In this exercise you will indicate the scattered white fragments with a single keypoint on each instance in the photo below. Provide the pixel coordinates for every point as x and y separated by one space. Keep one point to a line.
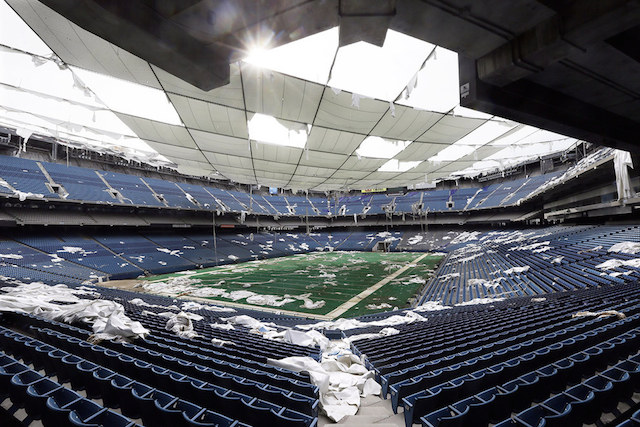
192 305
143 303
604 313
490 284
346 324
249 322
448 276
476 301
514 270
384 332
378 306
183 285
11 256
431 306
414 240
270 300
175 252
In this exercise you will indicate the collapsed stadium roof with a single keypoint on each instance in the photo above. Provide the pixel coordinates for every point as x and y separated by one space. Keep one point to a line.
306 115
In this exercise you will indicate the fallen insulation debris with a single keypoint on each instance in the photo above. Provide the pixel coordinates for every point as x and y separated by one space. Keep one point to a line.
477 301
626 247
181 323
615 263
491 284
341 378
378 306
59 302
515 270
604 313
346 324
183 286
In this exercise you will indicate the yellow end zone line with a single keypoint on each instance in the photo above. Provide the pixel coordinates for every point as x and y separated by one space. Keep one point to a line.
356 299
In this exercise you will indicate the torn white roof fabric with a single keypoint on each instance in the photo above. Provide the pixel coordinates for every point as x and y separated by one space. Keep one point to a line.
291 117
107 318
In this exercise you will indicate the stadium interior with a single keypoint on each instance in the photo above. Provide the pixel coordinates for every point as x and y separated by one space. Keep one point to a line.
314 213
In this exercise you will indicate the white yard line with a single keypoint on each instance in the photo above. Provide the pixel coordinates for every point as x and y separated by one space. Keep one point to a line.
356 299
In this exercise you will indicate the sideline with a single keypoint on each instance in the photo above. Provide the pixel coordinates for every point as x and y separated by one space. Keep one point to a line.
253 307
356 299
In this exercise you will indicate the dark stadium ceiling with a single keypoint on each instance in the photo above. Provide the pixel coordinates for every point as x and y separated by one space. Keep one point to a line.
567 66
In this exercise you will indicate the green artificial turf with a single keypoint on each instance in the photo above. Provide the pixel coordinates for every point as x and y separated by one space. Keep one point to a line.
334 277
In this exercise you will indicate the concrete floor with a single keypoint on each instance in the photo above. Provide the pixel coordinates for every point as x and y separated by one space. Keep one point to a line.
373 411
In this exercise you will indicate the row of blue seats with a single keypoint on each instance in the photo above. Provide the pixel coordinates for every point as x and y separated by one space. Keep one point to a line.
414 346
594 354
471 342
466 318
18 254
29 274
492 196
583 403
578 405
89 185
243 359
154 406
47 400
461 348
522 349
188 386
81 250
553 259
247 345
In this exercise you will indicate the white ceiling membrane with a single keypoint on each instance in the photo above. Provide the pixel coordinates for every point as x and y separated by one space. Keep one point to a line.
306 115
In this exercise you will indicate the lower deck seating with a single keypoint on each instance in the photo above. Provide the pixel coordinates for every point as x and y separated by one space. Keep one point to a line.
53 372
505 264
517 362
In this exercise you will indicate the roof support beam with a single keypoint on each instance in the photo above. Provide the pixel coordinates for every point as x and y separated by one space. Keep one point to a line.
536 105
569 32
365 20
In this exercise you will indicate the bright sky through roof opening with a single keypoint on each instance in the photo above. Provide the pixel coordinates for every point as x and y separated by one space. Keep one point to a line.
43 77
267 129
379 72
362 68
482 135
309 58
380 148
394 165
130 98
437 84
15 33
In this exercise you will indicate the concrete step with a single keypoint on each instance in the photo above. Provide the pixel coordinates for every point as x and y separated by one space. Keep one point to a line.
372 415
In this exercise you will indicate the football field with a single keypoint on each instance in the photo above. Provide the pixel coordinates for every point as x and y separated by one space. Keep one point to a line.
331 284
